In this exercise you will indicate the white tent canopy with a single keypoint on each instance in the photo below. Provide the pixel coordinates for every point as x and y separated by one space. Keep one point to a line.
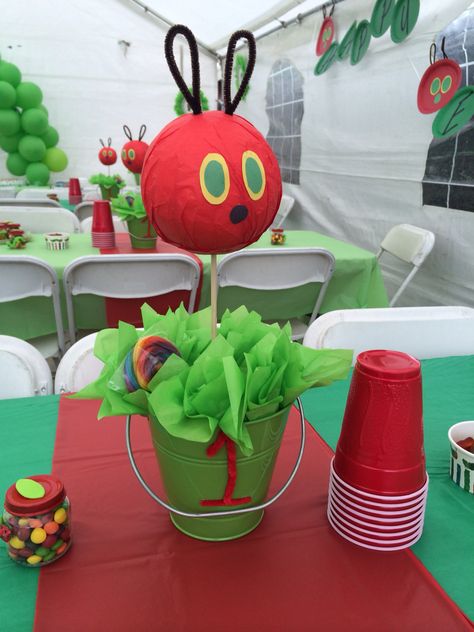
364 144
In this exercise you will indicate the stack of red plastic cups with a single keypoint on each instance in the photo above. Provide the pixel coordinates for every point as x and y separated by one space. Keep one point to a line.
379 485
103 234
75 193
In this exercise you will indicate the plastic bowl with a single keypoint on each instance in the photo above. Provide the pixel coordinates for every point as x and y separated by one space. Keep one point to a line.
462 461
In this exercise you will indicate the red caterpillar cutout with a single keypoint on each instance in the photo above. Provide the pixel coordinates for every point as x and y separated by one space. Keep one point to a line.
133 152
439 82
210 182
107 155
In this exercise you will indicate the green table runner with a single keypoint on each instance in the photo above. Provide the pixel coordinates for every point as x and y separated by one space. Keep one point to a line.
446 548
357 282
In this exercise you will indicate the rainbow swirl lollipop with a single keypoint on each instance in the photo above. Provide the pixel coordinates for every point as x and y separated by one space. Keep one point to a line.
145 359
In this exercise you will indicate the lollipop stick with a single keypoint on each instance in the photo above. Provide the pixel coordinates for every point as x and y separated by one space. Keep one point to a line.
213 296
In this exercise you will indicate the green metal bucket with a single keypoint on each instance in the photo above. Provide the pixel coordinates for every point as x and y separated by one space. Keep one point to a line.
108 193
190 476
142 234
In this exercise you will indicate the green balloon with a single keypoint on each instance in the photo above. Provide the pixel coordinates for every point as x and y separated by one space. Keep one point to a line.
32 148
7 95
34 121
28 95
9 122
50 137
10 143
55 159
16 164
9 73
37 173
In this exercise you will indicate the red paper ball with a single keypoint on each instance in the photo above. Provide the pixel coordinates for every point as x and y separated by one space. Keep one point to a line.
108 156
133 155
211 183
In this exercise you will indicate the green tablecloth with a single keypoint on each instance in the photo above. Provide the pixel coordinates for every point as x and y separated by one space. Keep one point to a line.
446 547
27 434
65 204
26 447
357 282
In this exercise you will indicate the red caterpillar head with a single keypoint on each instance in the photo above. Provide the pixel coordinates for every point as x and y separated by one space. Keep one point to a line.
107 155
439 83
133 152
210 182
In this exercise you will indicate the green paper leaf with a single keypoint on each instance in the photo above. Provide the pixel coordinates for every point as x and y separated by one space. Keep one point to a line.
250 371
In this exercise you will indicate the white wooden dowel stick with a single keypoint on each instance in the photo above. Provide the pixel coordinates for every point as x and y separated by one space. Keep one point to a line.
213 296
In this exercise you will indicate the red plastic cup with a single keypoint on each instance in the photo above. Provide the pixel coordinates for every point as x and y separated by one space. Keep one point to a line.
102 217
75 193
363 531
380 449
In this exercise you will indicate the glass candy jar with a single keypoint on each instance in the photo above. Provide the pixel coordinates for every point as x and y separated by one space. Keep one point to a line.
36 522
278 237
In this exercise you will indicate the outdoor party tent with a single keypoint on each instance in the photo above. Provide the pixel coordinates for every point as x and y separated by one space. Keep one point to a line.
354 149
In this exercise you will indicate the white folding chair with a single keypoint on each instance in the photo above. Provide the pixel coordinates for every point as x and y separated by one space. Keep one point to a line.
29 202
410 244
424 332
284 210
41 193
272 269
84 210
129 276
119 226
24 276
78 366
23 370
41 219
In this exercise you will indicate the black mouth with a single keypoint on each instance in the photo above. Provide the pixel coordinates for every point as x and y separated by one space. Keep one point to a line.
238 214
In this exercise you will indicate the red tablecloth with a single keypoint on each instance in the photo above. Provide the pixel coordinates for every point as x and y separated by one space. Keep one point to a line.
130 569
128 310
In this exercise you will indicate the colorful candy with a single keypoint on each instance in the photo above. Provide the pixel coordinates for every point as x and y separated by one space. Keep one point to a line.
145 359
467 444
38 535
38 538
60 516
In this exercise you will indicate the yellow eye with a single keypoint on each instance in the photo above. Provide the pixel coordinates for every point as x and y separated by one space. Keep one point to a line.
253 174
131 154
214 178
124 154
110 153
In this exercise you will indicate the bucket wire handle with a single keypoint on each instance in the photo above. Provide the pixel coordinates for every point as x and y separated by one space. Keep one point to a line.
213 514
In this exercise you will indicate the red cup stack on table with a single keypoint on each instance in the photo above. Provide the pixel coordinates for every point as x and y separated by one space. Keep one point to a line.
103 234
75 193
378 484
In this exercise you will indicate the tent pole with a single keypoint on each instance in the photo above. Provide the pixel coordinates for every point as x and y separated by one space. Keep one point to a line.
296 20
160 17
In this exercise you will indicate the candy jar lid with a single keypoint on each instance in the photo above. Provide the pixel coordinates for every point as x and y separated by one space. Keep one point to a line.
20 504
388 364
